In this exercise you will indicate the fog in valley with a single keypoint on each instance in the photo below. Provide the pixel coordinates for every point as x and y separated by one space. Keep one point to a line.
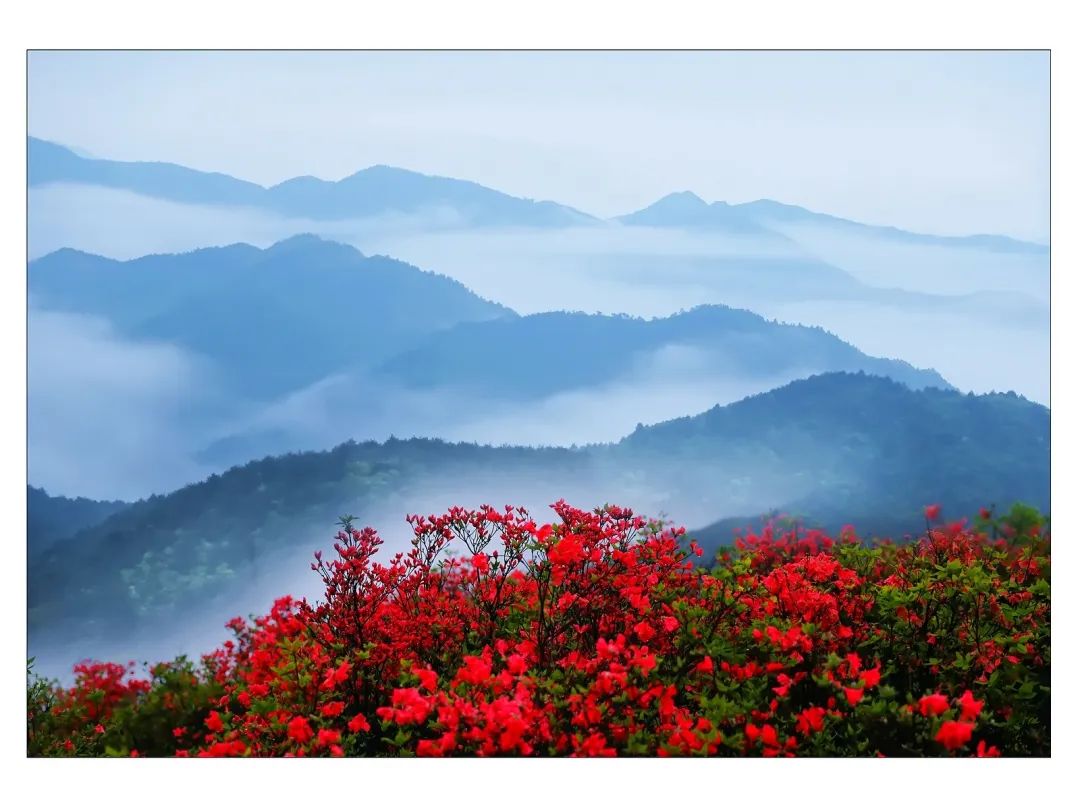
657 386
980 317
111 418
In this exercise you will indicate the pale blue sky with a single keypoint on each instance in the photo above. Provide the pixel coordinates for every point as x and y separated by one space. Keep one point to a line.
937 142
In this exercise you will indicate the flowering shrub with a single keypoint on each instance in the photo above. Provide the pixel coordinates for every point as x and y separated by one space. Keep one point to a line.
600 635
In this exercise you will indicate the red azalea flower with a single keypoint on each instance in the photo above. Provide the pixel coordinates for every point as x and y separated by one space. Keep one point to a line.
934 704
595 746
810 720
854 695
705 665
954 734
359 724
328 736
969 707
567 551
933 512
474 671
427 676
300 730
644 631
427 748
332 709
334 677
214 722
871 678
983 751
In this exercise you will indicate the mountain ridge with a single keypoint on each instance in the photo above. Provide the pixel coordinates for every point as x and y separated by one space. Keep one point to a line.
197 300
374 191
687 210
51 518
49 162
735 338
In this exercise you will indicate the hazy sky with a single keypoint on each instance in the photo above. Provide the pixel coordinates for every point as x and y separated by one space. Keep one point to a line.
937 142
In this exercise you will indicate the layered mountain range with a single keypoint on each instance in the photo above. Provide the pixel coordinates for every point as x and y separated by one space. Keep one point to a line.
261 389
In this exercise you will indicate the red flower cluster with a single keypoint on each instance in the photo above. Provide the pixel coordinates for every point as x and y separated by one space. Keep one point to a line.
600 635
100 687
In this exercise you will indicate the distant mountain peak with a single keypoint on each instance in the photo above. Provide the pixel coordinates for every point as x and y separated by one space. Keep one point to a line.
686 196
312 246
685 209
387 169
678 201
302 180
384 171
305 240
